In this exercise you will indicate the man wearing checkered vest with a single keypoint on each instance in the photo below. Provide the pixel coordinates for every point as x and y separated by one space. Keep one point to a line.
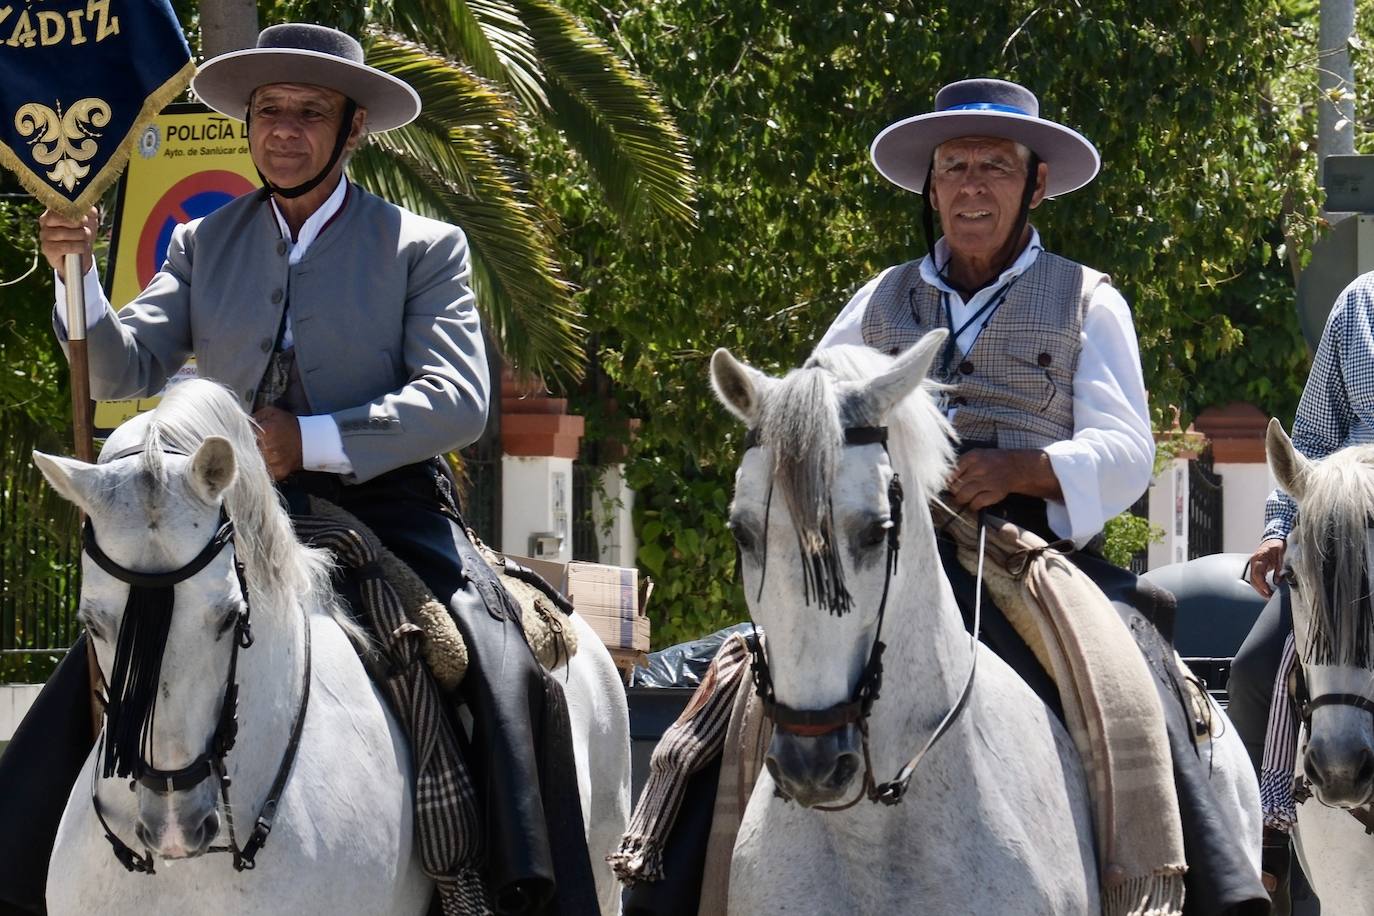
1044 390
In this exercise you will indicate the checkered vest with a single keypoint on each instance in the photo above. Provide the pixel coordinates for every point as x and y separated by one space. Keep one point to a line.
1015 387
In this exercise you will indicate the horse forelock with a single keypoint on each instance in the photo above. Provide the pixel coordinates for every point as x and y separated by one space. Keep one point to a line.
800 424
1336 513
278 569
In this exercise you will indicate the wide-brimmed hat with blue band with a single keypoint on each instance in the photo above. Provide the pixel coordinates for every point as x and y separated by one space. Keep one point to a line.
301 52
984 108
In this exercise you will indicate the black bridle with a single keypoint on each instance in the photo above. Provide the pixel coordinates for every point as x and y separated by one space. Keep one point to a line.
816 722
1307 704
129 759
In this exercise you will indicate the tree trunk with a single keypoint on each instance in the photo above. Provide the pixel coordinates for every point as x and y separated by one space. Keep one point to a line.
228 25
1336 81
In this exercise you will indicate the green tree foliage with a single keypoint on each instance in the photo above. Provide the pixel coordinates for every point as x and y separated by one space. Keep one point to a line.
1205 196
36 526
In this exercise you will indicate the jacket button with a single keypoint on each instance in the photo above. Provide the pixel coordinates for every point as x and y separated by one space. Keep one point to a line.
276 296
966 368
266 344
1044 359
281 247
248 395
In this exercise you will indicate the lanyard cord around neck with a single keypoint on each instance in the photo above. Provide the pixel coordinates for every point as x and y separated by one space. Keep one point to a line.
985 312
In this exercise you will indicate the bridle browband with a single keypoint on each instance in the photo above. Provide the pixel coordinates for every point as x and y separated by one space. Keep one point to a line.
814 723
128 759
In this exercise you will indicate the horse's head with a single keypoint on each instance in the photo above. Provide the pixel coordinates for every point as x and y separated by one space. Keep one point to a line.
161 602
1327 565
817 517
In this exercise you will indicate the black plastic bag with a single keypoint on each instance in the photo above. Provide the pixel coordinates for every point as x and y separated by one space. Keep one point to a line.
685 664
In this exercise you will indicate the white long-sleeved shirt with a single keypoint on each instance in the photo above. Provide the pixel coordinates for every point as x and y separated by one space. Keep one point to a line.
321 445
1109 461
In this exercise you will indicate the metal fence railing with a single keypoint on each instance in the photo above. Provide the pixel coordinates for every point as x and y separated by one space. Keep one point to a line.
39 571
1140 560
585 494
1204 508
479 488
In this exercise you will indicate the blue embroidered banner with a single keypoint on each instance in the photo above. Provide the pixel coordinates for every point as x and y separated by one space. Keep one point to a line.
79 80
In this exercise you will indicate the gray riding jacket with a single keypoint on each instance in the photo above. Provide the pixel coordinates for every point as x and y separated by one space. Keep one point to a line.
387 337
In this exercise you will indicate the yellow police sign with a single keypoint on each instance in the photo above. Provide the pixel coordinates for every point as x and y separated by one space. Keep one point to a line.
188 163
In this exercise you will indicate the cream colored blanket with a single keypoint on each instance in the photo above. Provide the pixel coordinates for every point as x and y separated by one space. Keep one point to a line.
1110 705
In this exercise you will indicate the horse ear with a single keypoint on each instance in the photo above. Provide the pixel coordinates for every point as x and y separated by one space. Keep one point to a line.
739 387
907 372
213 468
68 476
1289 465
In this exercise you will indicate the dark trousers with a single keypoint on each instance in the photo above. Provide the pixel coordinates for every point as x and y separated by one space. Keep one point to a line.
37 772
1251 685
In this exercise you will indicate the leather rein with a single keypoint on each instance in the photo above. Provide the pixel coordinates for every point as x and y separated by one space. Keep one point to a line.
813 723
212 760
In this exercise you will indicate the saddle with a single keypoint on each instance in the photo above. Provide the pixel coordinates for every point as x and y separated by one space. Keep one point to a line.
421 659
543 611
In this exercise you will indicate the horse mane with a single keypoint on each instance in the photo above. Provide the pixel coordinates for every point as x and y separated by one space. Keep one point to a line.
278 568
803 418
1336 512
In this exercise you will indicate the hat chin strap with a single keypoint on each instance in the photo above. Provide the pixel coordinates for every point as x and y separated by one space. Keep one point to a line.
345 128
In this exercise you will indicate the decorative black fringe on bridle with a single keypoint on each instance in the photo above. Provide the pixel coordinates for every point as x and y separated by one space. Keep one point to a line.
822 572
134 681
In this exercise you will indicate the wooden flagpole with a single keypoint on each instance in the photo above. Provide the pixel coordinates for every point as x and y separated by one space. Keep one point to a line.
82 432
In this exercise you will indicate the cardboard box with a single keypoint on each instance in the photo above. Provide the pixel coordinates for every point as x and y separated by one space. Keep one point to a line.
607 597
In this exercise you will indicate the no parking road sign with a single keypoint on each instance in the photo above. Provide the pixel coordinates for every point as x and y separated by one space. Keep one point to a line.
187 164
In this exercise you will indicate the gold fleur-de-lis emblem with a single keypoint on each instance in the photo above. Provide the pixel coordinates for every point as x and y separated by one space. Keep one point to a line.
63 141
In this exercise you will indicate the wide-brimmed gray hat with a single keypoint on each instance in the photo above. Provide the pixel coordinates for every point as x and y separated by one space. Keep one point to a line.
984 108
299 52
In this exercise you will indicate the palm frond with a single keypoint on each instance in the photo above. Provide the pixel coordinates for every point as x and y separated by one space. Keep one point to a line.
487 35
612 118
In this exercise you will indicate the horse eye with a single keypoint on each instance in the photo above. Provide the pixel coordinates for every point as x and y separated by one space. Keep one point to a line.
1291 579
742 537
227 623
874 534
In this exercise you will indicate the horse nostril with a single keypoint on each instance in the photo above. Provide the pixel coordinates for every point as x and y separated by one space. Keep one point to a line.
141 831
1365 774
845 768
209 828
1312 766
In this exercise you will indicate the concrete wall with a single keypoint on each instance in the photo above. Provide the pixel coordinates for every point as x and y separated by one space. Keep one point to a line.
1245 487
15 700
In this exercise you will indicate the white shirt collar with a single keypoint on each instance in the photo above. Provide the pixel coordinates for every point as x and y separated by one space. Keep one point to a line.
1022 263
314 223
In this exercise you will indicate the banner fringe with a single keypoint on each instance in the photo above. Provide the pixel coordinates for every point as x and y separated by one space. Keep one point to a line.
40 188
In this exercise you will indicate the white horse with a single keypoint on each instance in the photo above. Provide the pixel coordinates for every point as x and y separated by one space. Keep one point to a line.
996 818
1328 565
343 837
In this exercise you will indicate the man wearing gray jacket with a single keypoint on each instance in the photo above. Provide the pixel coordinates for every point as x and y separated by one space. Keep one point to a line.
347 326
